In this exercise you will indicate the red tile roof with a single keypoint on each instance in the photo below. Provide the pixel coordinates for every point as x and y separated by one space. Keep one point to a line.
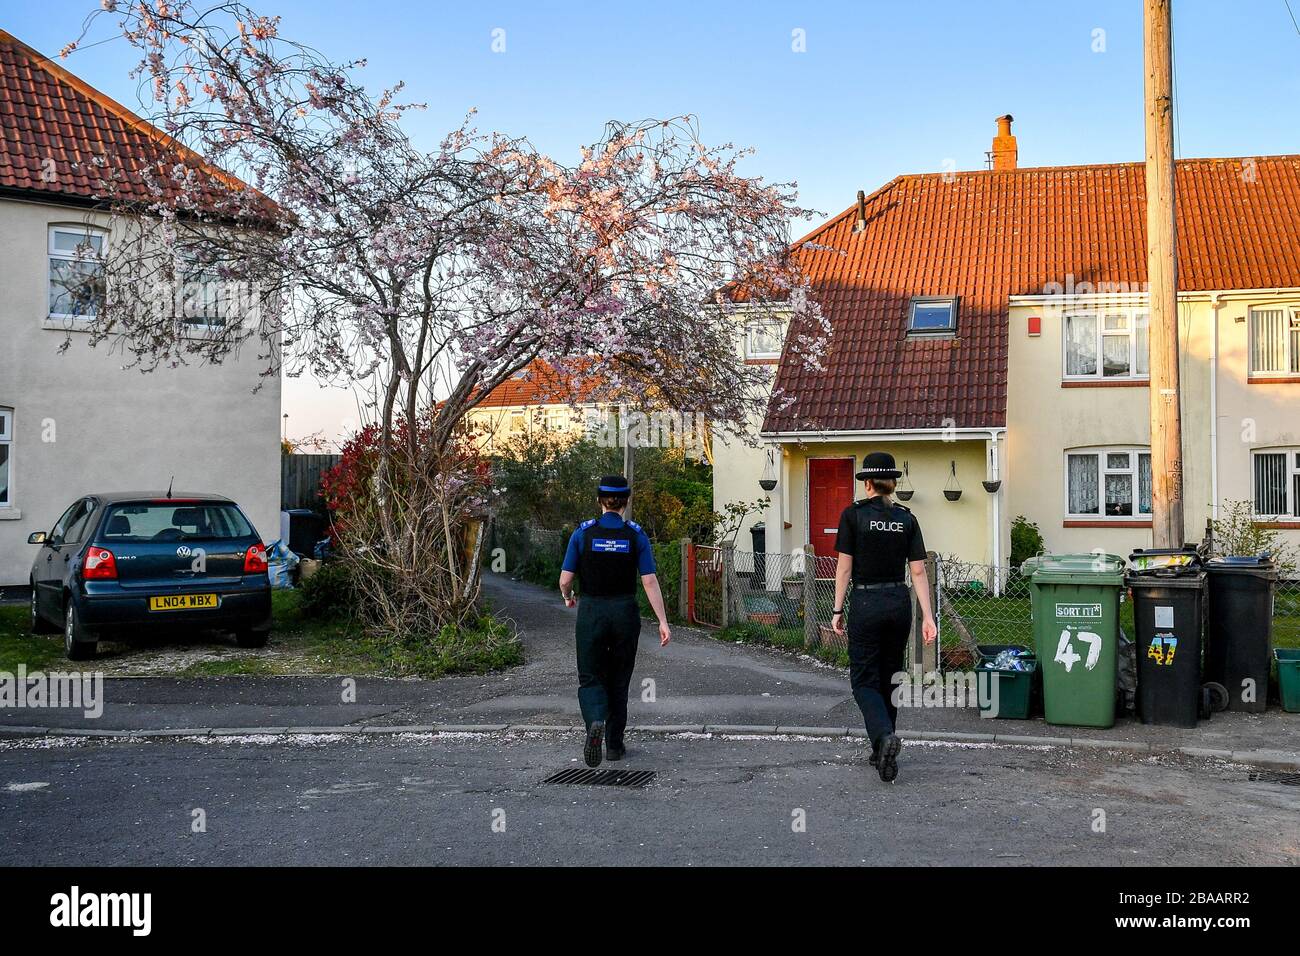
540 384
984 236
53 125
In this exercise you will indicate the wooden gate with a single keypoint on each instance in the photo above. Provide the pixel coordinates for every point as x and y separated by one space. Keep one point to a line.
706 585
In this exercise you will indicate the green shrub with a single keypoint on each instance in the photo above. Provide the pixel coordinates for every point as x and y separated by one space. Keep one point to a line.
1026 541
477 646
1239 532
668 568
328 594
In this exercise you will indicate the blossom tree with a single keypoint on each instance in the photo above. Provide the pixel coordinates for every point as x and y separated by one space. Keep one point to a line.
300 220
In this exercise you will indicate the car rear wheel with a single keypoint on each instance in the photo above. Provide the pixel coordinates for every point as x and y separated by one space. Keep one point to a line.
251 638
76 644
38 624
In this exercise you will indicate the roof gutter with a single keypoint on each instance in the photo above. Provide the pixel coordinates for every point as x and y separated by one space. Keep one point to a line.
1065 299
890 434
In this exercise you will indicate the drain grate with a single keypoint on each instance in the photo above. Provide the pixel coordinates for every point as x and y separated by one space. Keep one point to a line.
586 777
1276 776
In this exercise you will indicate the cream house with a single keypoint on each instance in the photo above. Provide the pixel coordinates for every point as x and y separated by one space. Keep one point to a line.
532 402
1079 435
989 331
74 422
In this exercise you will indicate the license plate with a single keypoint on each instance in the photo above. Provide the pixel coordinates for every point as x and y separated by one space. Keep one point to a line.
182 602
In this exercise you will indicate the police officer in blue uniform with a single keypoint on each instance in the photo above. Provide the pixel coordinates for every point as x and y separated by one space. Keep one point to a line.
606 555
877 539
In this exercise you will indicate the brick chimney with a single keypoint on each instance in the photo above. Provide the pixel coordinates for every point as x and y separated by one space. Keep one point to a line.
1004 145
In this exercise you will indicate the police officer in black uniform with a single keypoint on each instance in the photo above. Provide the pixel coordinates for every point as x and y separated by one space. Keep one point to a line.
877 538
606 555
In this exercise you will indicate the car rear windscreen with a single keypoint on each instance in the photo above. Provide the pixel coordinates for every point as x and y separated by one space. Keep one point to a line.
175 522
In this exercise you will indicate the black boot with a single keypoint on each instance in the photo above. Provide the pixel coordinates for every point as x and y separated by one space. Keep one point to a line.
615 751
591 752
887 759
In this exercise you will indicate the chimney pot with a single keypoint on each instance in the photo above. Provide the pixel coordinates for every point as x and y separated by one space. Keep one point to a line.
1004 145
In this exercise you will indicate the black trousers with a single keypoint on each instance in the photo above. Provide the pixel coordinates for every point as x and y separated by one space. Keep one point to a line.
608 629
879 624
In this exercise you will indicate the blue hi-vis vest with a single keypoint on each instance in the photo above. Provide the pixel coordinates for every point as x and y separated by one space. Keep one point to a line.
607 560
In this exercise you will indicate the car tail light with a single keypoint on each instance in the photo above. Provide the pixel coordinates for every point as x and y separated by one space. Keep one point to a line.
99 565
255 559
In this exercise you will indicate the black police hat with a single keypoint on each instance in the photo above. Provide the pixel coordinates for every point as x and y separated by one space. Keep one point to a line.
878 464
613 485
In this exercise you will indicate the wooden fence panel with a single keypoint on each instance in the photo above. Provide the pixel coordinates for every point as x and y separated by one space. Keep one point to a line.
300 477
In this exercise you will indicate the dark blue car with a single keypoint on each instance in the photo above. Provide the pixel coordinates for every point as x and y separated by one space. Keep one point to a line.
124 564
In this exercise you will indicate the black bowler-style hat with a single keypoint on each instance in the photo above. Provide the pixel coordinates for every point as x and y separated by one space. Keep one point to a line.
878 464
613 485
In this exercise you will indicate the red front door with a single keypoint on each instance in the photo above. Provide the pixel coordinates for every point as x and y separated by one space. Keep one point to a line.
830 491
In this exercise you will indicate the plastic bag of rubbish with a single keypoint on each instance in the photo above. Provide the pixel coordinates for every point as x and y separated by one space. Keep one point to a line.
280 562
1008 660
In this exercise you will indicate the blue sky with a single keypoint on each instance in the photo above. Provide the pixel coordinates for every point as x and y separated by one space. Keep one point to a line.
883 87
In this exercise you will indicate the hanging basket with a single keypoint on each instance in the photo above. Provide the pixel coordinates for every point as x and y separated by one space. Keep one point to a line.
992 486
952 491
903 491
768 481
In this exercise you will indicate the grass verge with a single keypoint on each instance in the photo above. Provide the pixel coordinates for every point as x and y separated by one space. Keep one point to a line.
299 644
788 638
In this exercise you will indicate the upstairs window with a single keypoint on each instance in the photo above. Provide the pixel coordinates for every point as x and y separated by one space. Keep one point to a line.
76 271
1113 343
1277 483
557 419
763 338
1275 340
932 315
199 304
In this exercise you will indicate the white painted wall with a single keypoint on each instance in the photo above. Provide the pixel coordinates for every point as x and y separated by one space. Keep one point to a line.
115 429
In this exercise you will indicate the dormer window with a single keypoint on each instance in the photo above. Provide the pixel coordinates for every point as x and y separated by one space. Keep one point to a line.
763 338
932 315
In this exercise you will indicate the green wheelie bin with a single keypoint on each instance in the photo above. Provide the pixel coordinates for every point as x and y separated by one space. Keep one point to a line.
1075 604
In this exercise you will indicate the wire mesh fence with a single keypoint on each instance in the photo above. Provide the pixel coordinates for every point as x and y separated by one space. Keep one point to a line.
779 599
1286 614
982 605
979 605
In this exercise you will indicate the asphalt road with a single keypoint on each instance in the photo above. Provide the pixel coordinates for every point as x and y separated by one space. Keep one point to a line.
398 799
695 680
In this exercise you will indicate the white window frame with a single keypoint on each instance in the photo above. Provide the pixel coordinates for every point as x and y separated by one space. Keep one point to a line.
1290 341
557 419
951 301
63 255
195 324
1098 315
517 416
752 326
1292 472
7 442
1134 471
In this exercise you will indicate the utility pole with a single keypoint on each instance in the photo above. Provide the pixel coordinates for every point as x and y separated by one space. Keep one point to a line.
1166 423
